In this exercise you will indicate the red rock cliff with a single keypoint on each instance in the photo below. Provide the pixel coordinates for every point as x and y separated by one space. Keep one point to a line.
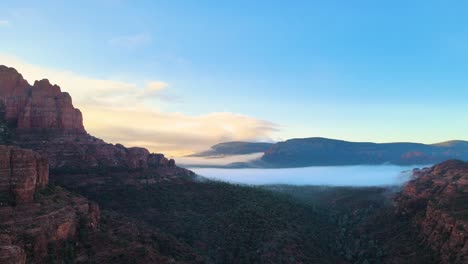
44 119
46 224
436 200
32 219
41 106
22 172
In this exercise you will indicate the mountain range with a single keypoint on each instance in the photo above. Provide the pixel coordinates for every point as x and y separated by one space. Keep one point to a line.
317 151
234 148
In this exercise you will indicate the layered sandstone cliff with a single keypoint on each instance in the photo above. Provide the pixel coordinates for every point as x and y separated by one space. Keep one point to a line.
43 118
40 106
436 200
22 172
33 217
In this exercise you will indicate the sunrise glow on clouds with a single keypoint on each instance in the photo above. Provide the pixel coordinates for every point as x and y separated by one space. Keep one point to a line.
121 112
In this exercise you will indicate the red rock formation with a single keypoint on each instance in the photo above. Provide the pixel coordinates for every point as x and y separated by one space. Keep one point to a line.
55 226
436 200
21 173
47 107
159 161
41 106
24 173
44 119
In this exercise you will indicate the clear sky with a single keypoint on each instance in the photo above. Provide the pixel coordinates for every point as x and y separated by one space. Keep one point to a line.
177 76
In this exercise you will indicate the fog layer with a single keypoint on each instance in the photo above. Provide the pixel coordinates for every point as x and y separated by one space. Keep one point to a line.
216 160
379 175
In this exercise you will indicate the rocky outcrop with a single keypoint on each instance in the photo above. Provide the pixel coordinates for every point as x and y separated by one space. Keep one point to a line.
40 106
43 223
43 118
436 202
22 172
30 218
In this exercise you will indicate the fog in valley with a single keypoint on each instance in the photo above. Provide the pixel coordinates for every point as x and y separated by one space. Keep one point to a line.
368 175
216 160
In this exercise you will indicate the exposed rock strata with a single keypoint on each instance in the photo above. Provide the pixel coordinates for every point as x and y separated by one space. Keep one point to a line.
47 224
436 200
43 118
22 172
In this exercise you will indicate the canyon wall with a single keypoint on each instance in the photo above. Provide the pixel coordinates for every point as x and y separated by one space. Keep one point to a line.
436 202
34 217
22 172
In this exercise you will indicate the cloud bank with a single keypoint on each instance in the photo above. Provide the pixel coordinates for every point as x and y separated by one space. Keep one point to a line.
123 112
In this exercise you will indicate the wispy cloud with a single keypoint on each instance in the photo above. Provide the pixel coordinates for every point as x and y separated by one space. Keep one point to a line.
131 41
155 86
4 23
121 112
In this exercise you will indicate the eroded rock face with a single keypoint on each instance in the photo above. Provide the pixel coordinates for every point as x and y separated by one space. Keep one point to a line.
43 118
40 106
159 161
22 172
56 226
436 200
10 253
33 224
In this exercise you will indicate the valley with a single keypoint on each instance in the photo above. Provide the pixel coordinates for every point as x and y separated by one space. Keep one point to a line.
69 197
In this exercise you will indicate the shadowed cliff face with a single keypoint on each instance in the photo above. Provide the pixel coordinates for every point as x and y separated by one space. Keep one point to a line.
22 172
41 223
32 222
43 118
436 200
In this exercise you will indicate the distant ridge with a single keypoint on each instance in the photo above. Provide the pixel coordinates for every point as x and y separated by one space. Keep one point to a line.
452 143
320 151
234 148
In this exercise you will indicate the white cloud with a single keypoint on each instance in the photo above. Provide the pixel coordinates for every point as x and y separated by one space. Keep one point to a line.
120 112
4 23
131 41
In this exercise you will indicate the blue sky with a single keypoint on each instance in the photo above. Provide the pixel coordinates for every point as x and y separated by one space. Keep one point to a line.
357 70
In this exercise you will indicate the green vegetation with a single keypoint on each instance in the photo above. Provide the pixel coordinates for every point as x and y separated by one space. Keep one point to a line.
5 198
5 131
228 223
368 230
272 224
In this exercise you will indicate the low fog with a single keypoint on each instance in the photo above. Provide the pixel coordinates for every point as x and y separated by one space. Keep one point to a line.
216 160
378 175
